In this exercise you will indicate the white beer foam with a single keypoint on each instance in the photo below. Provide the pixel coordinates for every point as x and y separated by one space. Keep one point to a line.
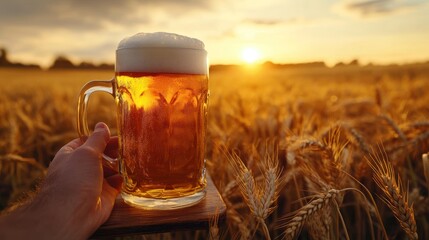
161 53
160 39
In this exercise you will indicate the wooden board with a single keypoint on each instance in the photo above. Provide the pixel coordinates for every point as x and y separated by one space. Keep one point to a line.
127 220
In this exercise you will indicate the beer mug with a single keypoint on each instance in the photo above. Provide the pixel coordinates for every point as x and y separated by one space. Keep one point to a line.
161 93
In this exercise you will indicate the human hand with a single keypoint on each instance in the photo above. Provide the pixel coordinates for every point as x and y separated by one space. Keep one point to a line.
76 197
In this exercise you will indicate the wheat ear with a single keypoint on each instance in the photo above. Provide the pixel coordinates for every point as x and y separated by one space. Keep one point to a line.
359 140
320 201
394 195
269 192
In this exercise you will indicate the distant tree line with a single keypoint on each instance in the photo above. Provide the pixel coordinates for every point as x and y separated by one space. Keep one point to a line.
4 61
61 62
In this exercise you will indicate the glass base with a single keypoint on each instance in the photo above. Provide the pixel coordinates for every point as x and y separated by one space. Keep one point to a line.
163 204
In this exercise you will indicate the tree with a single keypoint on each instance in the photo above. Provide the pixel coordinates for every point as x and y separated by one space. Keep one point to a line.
3 57
62 62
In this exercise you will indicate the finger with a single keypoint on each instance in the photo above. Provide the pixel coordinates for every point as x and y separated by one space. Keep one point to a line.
109 192
112 147
99 138
115 181
108 196
108 171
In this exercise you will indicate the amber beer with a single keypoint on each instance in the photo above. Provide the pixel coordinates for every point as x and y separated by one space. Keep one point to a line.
161 92
162 119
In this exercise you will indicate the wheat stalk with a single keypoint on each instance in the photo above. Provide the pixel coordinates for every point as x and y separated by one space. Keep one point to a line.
425 159
394 195
394 126
419 124
234 216
214 226
29 161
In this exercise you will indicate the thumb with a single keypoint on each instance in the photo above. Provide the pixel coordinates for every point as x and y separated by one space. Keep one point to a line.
99 138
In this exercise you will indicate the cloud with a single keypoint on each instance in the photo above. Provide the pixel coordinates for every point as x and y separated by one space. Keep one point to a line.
89 15
262 22
89 29
375 8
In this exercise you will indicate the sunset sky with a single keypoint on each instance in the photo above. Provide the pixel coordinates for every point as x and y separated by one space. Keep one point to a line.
282 31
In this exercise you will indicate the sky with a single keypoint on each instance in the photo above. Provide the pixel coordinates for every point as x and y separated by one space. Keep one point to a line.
281 31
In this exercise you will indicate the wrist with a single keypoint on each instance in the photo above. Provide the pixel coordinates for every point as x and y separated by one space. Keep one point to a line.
43 217
62 218
27 221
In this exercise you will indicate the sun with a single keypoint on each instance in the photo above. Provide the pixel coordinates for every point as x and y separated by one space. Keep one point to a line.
250 55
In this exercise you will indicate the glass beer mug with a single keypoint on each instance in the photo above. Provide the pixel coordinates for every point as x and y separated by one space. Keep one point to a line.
161 92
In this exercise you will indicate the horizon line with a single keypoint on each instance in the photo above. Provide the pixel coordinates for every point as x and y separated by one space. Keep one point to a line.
5 62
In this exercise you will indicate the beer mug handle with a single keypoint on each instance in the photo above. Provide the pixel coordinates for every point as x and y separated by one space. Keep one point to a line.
82 121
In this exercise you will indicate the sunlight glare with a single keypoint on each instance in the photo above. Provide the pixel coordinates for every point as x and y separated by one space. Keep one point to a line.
250 55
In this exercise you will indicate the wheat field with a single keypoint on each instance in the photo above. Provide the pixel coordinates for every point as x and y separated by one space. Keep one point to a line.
296 153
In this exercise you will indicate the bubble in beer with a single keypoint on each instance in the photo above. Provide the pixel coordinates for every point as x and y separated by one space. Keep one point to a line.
161 52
